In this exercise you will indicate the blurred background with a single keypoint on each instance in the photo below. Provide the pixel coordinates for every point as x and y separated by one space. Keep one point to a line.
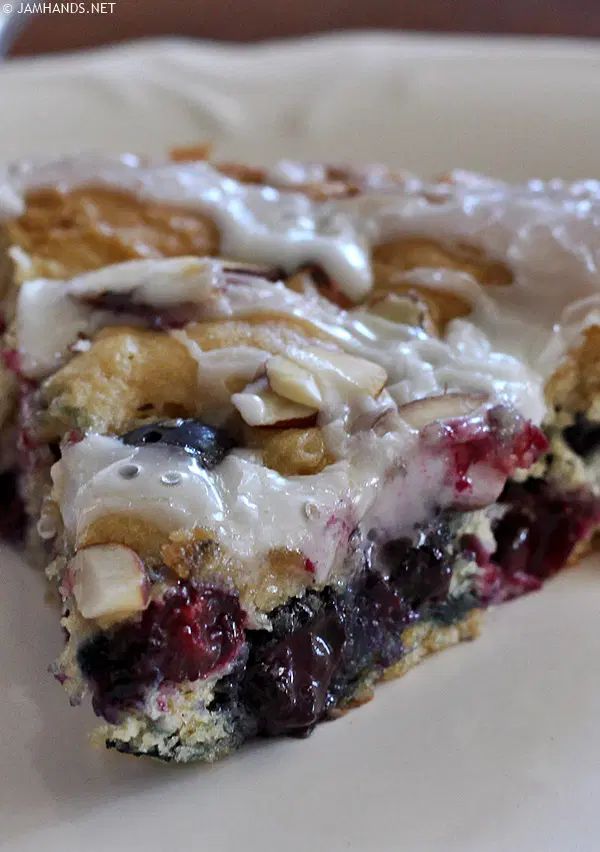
512 107
252 20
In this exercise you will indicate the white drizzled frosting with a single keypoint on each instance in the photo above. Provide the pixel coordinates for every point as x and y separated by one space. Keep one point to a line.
283 228
51 315
250 508
291 173
548 234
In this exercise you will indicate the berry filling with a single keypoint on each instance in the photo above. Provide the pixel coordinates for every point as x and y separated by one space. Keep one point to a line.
191 633
320 648
287 682
535 537
11 360
583 436
12 512
324 645
499 438
542 527
175 316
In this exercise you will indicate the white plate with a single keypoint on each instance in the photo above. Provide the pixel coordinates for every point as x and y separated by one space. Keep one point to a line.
513 107
490 746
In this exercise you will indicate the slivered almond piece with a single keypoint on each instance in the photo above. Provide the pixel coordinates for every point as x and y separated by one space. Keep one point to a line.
234 267
292 381
261 406
406 308
420 412
344 373
108 580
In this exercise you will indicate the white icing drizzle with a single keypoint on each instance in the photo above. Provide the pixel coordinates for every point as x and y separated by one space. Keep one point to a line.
50 317
252 509
510 343
282 228
291 173
172 281
48 321
546 231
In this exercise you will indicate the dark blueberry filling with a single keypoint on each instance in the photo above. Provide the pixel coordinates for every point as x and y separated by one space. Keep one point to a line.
12 510
174 316
286 687
191 633
542 526
282 681
583 436
534 537
323 645
207 444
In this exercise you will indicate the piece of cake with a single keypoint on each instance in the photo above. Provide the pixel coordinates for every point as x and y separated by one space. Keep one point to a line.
283 433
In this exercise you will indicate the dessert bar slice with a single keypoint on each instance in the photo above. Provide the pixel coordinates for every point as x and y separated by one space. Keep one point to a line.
279 434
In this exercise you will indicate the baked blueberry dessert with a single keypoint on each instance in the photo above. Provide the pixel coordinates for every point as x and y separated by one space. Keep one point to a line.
280 434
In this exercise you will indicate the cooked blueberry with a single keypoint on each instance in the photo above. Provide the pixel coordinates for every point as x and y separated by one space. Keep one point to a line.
323 645
374 616
541 528
421 571
583 436
208 444
287 682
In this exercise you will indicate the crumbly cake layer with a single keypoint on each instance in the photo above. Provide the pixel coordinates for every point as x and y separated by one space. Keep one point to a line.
340 642
217 734
281 434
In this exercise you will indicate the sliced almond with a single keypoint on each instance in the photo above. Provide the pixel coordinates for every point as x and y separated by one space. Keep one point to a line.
406 309
254 270
108 580
261 406
420 412
345 374
293 382
222 372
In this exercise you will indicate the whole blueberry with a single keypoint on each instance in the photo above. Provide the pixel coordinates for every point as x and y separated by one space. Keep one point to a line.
207 444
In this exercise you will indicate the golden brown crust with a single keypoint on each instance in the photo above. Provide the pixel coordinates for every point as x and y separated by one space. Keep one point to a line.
128 374
135 532
293 451
281 575
274 333
337 182
66 233
393 259
132 374
191 153
575 386
441 306
405 253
